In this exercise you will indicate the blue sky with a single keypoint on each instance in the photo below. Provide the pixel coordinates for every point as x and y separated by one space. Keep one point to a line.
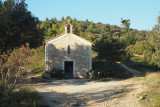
142 13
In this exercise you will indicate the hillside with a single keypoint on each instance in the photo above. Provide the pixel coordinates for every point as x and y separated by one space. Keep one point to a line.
110 39
22 56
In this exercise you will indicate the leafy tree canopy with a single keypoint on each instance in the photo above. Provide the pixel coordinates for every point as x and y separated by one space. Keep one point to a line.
18 25
125 23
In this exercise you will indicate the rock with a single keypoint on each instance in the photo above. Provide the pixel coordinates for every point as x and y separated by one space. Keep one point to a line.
74 104
46 76
142 98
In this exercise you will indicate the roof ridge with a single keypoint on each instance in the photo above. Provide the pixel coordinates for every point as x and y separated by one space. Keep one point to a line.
67 34
54 37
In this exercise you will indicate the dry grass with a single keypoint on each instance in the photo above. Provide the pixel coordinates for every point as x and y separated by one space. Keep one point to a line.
153 74
152 93
153 80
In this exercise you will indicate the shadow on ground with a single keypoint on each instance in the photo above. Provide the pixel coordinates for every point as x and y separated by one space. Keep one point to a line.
67 92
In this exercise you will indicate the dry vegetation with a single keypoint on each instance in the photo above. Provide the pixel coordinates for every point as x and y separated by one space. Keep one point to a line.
15 66
152 93
112 43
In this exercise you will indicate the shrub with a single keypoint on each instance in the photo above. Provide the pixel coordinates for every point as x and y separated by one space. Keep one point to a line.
37 61
129 39
12 67
57 73
24 97
46 75
109 70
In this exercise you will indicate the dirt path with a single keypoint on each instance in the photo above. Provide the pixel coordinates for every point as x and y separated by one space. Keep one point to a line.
133 71
60 93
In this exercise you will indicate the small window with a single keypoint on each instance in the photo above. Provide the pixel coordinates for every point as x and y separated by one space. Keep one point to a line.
69 49
68 29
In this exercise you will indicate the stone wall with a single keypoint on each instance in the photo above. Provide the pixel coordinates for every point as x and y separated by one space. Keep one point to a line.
80 54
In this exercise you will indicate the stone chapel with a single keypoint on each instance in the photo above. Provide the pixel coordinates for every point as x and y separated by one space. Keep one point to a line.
70 53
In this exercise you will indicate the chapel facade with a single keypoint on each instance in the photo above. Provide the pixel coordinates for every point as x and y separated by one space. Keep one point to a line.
70 53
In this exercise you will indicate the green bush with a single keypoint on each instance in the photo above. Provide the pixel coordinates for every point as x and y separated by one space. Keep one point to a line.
109 70
130 39
37 61
57 73
141 64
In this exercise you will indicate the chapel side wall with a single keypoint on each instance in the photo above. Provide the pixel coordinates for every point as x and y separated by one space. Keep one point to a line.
81 55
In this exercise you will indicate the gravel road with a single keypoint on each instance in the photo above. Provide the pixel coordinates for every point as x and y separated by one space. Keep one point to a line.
81 92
